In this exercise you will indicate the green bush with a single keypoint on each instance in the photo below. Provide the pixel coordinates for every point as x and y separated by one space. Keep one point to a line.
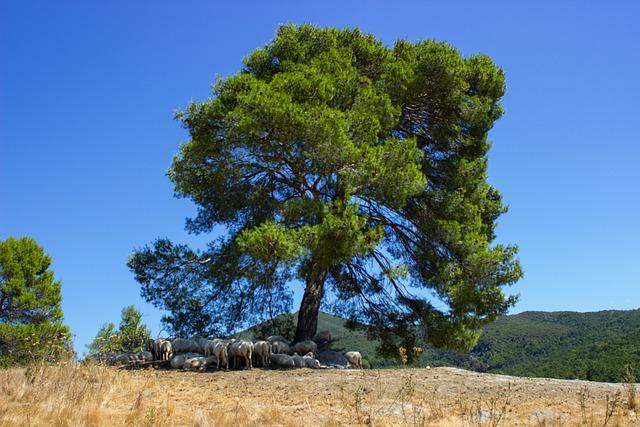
24 344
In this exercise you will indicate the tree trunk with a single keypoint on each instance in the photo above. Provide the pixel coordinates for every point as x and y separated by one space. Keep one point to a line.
310 308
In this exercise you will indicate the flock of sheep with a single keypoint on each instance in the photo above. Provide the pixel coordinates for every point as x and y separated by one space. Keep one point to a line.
274 352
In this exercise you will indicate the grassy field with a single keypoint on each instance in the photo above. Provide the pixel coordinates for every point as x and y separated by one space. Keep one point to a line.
77 395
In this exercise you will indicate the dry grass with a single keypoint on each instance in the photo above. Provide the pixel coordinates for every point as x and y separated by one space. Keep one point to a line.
72 395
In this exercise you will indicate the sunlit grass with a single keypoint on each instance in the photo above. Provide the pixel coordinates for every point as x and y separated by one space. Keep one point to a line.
91 395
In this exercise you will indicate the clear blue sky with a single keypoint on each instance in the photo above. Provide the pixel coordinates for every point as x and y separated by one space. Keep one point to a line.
87 94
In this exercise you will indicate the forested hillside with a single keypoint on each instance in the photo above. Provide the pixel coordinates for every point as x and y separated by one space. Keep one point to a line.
593 346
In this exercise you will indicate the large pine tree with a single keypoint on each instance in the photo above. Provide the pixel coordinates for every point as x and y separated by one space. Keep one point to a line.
356 170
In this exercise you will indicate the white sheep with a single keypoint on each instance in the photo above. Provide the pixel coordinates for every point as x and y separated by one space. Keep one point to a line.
202 342
354 358
299 361
262 352
282 361
304 347
181 345
143 356
244 351
240 350
198 362
179 360
102 357
220 352
280 347
274 338
165 349
311 361
219 341
207 347
124 358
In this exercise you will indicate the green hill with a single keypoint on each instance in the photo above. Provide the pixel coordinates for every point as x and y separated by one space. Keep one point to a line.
593 346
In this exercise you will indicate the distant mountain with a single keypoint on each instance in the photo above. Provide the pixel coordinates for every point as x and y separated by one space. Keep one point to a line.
592 346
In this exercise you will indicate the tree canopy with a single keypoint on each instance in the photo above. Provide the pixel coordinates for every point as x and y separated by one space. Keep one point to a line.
353 168
31 321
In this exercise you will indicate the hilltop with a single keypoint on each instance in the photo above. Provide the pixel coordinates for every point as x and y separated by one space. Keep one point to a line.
593 346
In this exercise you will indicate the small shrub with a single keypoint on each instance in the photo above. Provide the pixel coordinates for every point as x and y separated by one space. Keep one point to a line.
612 403
629 383
365 363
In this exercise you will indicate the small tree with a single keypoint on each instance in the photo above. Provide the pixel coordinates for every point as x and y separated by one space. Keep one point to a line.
132 332
31 327
130 335
106 340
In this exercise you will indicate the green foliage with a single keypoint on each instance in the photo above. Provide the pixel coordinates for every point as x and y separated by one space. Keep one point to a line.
357 168
106 340
593 346
31 327
283 325
130 335
599 346
23 344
